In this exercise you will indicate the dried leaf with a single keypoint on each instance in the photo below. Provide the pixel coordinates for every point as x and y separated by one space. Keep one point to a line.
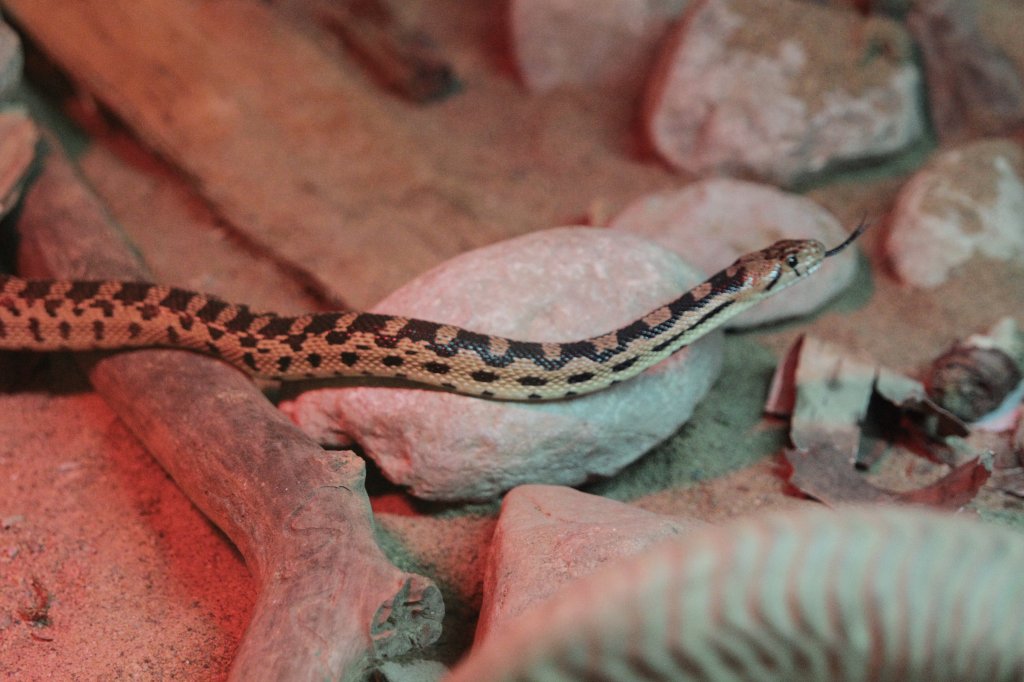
831 393
953 490
782 392
828 478
827 475
909 396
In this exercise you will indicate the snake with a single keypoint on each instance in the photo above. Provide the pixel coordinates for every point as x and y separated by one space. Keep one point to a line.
812 595
48 315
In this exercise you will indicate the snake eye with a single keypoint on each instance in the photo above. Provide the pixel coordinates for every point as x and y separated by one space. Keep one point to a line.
792 261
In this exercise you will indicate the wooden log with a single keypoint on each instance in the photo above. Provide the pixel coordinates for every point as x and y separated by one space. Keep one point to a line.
287 145
330 604
400 58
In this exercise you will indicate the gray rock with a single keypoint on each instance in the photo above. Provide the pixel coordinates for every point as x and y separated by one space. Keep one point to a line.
548 536
780 90
555 285
558 42
713 222
965 201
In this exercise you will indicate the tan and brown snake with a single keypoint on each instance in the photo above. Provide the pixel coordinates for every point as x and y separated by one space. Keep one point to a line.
66 315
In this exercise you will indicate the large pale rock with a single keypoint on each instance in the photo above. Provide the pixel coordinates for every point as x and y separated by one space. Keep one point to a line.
780 90
555 285
548 536
965 201
713 222
560 42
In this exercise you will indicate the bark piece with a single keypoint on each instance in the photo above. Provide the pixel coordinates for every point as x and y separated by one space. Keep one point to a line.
833 390
330 603
910 397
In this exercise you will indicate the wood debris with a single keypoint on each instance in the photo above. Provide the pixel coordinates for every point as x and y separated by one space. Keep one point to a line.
828 394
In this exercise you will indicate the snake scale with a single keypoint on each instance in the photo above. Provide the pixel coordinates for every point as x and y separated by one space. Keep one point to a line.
65 315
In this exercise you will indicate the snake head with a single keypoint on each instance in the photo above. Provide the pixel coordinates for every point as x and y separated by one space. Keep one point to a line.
783 263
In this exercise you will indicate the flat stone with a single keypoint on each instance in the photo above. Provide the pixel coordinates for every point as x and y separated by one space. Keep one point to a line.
964 202
713 222
555 285
548 536
559 42
781 90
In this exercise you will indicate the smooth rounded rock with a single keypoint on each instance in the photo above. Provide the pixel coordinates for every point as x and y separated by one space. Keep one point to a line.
713 222
557 285
780 90
548 536
965 201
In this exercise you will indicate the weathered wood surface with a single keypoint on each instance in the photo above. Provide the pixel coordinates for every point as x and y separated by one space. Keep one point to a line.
330 603
304 155
272 132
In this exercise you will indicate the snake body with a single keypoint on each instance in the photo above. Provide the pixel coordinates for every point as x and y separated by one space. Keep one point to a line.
816 595
65 315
